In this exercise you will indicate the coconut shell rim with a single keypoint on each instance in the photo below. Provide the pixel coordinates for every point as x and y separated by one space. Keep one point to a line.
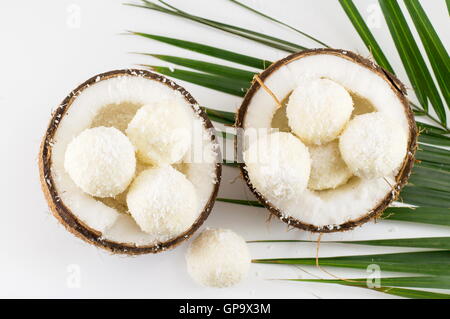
65 216
402 177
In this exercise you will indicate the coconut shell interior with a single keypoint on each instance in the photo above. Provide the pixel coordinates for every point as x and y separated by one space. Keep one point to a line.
406 167
64 214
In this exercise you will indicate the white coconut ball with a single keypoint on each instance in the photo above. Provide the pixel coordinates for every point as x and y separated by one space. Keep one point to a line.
373 145
161 132
101 161
318 110
278 165
328 169
218 258
163 202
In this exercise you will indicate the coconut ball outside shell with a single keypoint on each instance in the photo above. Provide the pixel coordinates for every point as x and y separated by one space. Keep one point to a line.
328 169
161 132
318 110
373 145
163 202
218 258
278 165
101 161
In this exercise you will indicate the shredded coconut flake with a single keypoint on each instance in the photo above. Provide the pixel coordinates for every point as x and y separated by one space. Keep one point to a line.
278 165
101 161
218 258
161 132
328 170
318 110
163 202
373 145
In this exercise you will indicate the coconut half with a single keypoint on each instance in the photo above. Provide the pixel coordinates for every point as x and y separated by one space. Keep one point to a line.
372 89
112 99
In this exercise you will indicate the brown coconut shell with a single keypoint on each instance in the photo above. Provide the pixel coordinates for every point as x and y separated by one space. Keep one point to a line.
408 162
64 214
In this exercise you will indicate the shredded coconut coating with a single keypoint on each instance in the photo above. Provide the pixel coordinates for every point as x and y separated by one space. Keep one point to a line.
218 258
318 110
161 132
328 169
278 165
163 202
101 161
373 145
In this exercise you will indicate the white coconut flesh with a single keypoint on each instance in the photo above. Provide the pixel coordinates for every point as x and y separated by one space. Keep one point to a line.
346 198
113 102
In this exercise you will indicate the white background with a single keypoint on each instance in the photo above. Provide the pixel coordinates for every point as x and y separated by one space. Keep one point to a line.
45 54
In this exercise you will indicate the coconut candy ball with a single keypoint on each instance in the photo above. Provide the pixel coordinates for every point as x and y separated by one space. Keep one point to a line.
278 165
101 161
328 169
161 132
218 258
373 145
317 110
163 202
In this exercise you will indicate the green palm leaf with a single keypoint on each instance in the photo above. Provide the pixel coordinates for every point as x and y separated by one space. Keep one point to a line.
430 129
398 31
224 116
215 82
279 22
411 293
424 215
413 61
437 55
427 153
369 40
207 67
424 262
432 138
413 282
271 41
430 178
421 196
417 282
208 50
245 33
442 167
390 284
425 242
226 135
409 63
245 202
418 111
